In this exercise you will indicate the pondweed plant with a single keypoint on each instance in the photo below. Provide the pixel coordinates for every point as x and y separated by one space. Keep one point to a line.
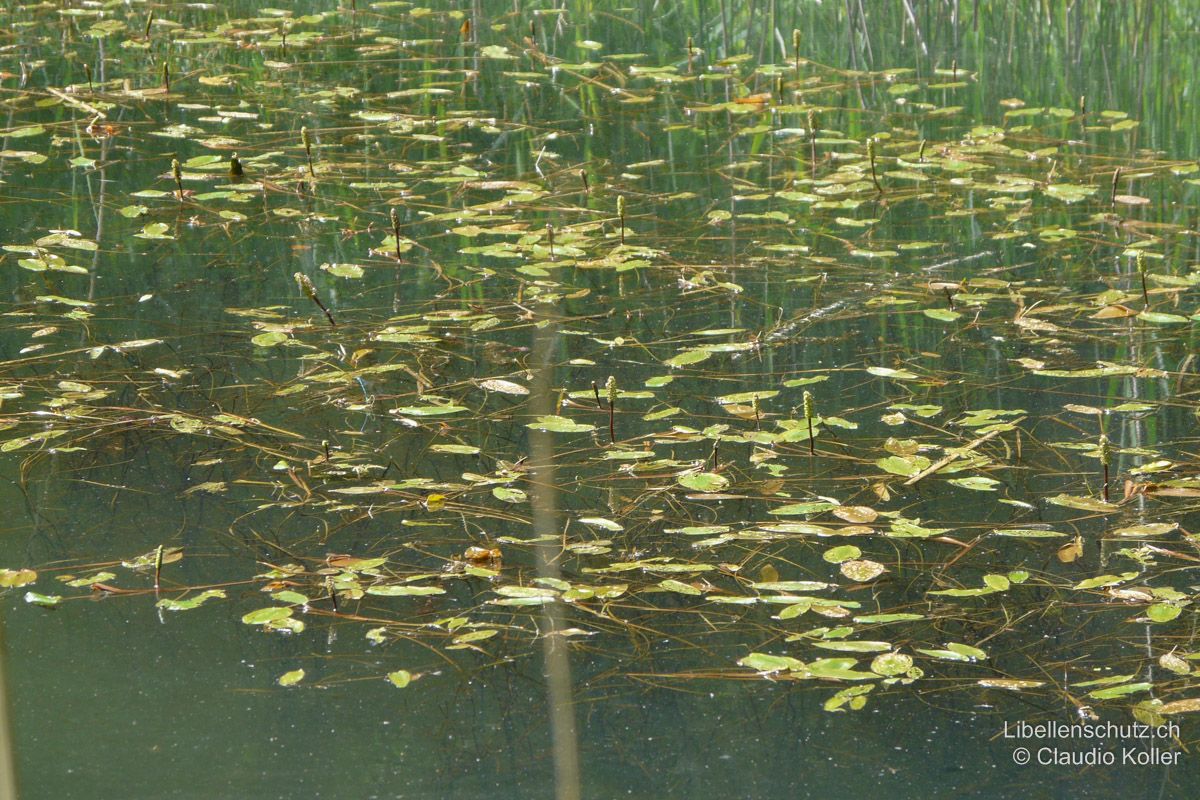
957 327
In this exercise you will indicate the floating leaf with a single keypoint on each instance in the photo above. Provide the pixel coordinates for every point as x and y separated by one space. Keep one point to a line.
264 616
291 678
403 590
862 570
556 424
703 481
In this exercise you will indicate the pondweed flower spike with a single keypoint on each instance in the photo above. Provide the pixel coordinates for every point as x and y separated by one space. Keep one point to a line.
1141 268
611 387
809 413
812 138
871 158
329 587
310 292
177 173
158 559
307 142
1116 177
690 48
550 238
396 231
621 214
166 76
757 412
796 48
1105 461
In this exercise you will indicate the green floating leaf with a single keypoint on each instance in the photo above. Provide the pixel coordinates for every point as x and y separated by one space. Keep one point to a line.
861 571
854 646
400 678
555 424
796 509
904 466
267 615
291 678
1082 503
1163 612
403 590
884 618
764 662
679 587
891 664
897 374
10 578
1105 580
508 494
269 339
1120 691
429 411
155 230
703 481
1028 534
343 270
46 600
977 483
846 552
1162 318
170 604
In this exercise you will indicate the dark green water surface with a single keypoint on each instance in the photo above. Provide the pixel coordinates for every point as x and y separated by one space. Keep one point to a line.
529 495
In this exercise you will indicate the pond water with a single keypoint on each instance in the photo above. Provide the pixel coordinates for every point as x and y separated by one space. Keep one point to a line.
596 400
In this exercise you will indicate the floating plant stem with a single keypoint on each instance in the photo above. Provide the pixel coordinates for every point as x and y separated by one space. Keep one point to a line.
596 394
758 413
395 218
310 292
621 215
307 142
177 173
1141 268
149 22
1105 461
1116 177
611 387
690 49
166 76
583 177
550 238
871 158
87 73
921 152
809 413
796 48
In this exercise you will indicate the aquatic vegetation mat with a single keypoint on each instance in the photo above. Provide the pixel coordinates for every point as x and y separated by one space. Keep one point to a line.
727 370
